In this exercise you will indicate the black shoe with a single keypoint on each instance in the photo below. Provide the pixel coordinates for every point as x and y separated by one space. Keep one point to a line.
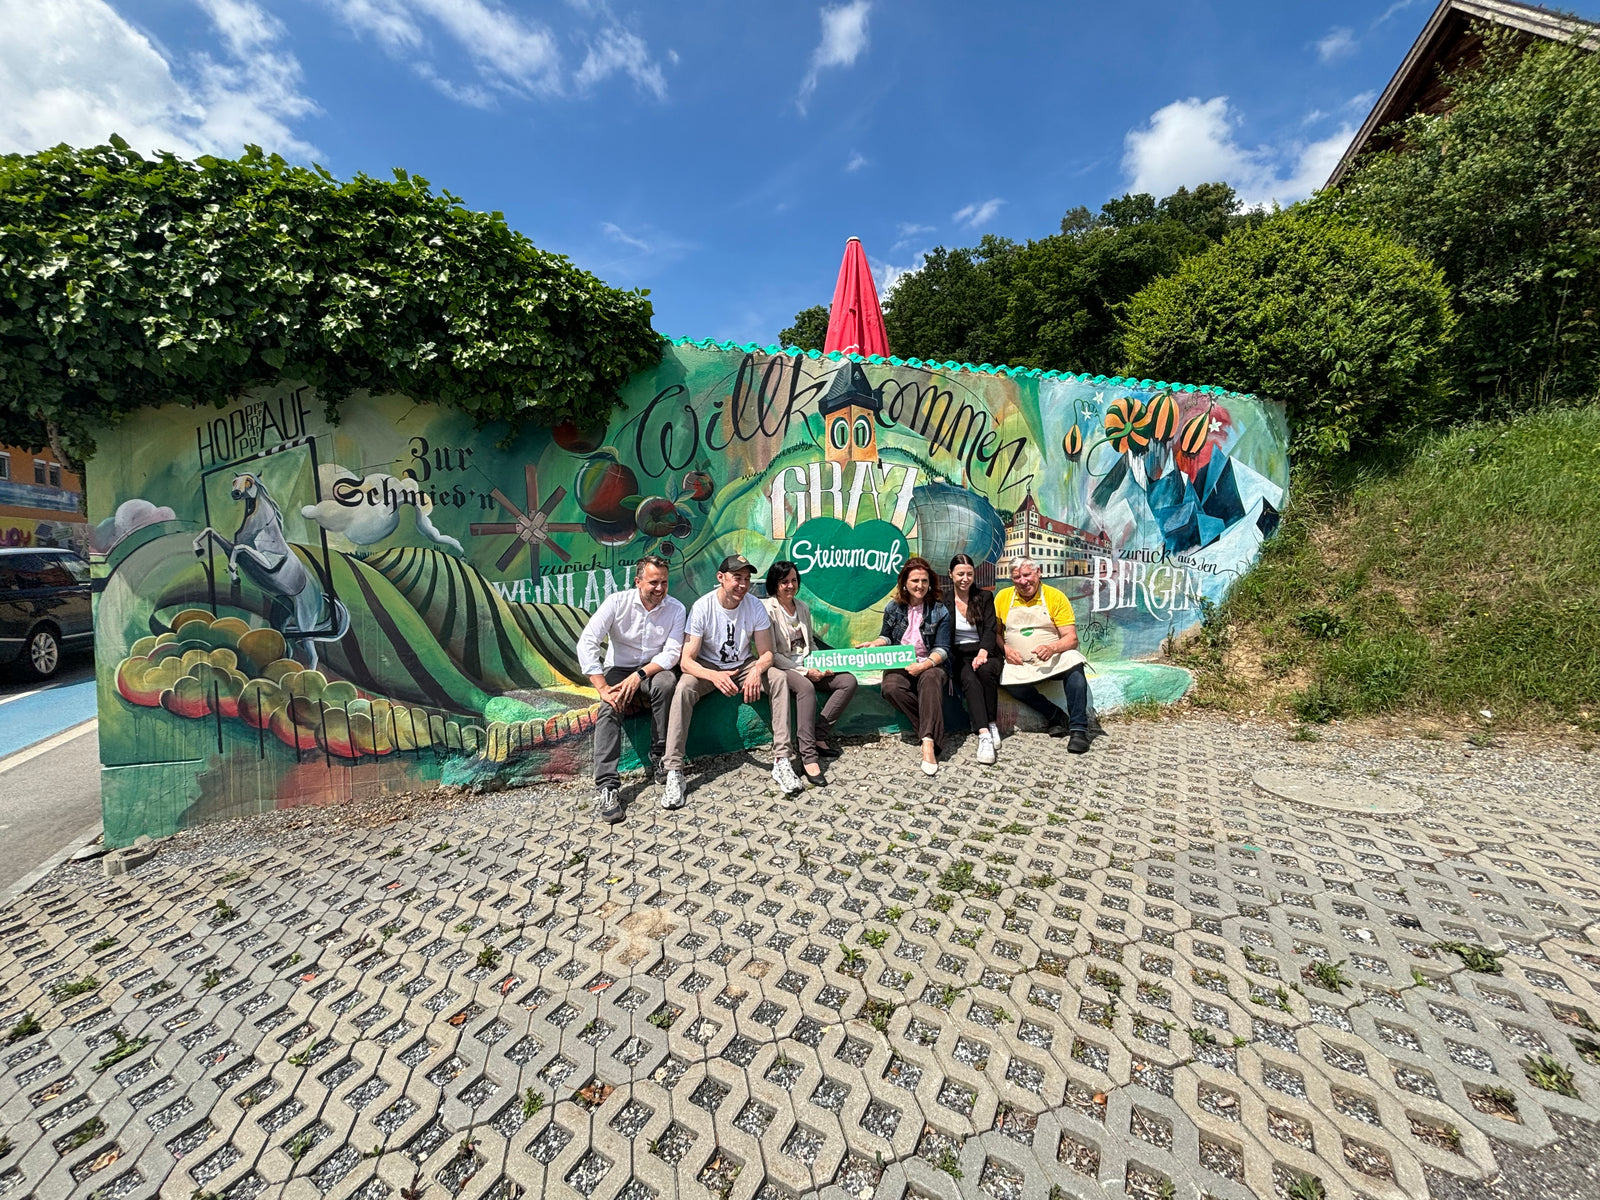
1057 729
610 804
829 751
820 779
653 772
1078 743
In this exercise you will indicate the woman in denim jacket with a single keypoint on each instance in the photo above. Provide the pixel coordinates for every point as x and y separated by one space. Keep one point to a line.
916 618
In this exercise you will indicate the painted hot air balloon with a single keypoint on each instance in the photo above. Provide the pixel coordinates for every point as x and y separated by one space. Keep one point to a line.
1127 425
1072 444
1163 415
1193 438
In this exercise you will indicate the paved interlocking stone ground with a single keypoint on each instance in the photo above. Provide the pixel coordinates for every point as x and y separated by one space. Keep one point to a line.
1058 977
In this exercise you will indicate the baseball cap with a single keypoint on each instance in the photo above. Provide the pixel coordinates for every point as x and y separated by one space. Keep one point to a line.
735 562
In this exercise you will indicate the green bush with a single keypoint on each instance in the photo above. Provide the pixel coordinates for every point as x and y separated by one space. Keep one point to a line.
1503 194
1344 326
128 281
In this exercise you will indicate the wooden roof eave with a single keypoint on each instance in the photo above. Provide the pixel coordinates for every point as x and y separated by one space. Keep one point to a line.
1445 27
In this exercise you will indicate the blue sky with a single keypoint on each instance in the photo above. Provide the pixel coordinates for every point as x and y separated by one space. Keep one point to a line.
720 153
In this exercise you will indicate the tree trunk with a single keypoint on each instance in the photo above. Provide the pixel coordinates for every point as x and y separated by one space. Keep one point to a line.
53 431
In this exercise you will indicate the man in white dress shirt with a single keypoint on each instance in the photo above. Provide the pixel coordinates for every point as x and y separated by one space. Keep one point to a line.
643 631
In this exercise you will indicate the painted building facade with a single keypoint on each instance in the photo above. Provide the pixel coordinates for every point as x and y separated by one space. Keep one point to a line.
1058 548
41 501
296 612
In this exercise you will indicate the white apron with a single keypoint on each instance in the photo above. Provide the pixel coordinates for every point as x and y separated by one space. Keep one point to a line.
1028 626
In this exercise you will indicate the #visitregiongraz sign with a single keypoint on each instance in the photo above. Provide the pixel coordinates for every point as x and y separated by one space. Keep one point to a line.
297 611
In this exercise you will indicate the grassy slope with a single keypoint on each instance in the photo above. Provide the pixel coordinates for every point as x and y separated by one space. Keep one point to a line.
1466 578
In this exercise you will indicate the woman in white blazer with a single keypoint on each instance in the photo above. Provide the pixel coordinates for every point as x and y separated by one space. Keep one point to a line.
792 639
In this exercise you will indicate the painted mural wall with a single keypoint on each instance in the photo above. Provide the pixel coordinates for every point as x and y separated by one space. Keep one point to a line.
296 612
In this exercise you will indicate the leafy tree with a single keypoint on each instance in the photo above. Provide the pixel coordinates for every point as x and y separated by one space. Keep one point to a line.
128 281
810 328
1502 192
1345 326
1211 210
1066 290
1053 303
951 307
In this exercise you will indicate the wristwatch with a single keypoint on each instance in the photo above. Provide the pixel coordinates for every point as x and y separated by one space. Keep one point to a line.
642 674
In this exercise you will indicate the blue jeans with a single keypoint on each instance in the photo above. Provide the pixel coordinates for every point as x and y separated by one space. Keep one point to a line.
1073 684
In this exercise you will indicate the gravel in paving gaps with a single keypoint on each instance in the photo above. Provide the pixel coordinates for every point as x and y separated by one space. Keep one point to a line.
881 1119
1471 865
859 1175
719 1173
1144 1184
673 1144
1000 1181
1225 1158
632 1119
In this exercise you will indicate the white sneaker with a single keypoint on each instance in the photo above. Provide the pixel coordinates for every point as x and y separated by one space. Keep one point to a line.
994 733
985 748
783 775
672 796
929 768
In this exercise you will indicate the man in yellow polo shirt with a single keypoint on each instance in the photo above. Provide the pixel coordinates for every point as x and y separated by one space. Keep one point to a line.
1041 641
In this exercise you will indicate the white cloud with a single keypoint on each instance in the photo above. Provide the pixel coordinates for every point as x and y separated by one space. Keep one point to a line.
1192 141
618 50
631 255
906 233
974 215
386 20
508 51
1398 6
511 54
844 37
857 161
888 274
76 71
1361 101
1338 42
251 91
617 234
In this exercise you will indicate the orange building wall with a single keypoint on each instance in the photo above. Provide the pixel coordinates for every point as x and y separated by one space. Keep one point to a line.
31 515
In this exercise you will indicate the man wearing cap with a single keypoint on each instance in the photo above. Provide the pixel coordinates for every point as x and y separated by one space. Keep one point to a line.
727 647
642 629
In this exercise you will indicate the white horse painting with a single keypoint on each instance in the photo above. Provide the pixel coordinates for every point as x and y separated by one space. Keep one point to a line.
260 551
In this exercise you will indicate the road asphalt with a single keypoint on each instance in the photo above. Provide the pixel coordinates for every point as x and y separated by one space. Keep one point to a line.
49 768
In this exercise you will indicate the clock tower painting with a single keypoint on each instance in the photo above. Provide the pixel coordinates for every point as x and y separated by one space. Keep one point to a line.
849 413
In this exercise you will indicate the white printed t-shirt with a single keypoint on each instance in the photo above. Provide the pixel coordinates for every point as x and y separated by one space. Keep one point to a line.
726 633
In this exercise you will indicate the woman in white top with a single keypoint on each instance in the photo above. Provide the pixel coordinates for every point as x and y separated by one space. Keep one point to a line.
792 639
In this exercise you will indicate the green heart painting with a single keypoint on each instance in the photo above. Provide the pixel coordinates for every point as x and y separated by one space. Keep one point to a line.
849 567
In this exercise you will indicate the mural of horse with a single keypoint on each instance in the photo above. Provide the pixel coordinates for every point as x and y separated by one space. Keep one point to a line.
262 553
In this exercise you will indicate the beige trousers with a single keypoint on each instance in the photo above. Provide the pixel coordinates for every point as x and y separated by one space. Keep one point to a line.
691 689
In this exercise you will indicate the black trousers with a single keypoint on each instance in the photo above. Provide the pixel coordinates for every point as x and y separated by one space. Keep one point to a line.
1076 687
655 694
979 685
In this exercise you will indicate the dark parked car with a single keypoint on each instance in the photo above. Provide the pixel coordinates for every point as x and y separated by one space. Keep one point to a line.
44 609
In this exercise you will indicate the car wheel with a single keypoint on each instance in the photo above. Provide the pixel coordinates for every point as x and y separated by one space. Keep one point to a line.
43 658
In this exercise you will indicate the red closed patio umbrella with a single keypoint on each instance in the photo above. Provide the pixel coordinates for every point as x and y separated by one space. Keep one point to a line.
855 322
